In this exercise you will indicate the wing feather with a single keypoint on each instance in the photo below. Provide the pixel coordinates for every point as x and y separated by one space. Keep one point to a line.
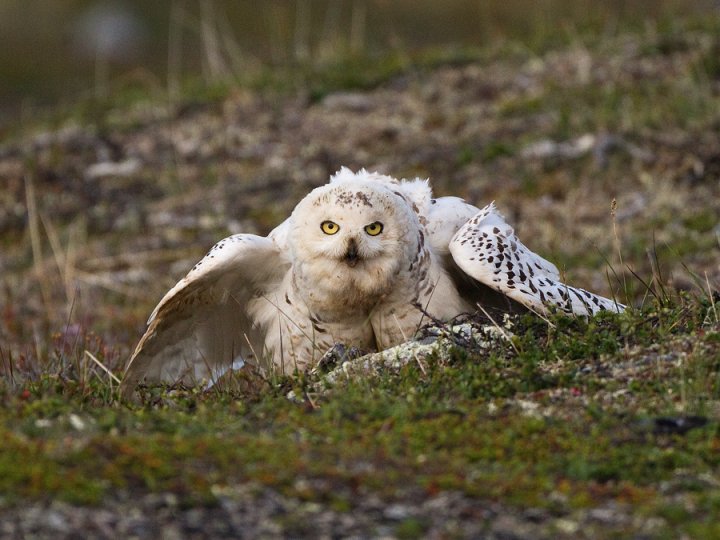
202 326
487 249
445 217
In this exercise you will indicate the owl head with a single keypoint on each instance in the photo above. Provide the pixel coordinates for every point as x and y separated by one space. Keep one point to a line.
354 236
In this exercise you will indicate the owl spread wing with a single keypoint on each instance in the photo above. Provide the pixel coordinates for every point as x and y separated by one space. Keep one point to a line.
487 249
201 327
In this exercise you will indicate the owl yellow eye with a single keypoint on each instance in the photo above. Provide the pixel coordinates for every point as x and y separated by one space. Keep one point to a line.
374 228
329 227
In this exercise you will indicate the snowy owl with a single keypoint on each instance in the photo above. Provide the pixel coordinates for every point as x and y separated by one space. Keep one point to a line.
364 261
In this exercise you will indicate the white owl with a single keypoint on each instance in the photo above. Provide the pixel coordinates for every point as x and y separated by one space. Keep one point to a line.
364 261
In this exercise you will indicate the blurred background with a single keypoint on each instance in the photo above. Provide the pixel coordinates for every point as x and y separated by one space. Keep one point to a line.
135 134
61 52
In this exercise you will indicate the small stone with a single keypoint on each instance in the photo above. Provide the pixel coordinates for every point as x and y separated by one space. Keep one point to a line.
397 512
566 526
76 422
109 168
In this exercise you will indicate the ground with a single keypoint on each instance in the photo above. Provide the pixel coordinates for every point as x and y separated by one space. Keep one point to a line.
604 154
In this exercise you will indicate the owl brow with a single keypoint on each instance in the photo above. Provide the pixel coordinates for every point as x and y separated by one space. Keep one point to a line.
346 198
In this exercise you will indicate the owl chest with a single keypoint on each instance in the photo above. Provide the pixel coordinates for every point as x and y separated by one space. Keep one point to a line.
301 341
335 292
296 336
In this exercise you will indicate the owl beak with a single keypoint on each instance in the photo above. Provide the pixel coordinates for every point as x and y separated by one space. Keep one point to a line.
351 255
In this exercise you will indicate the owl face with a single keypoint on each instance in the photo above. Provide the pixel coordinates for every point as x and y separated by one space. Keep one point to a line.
353 236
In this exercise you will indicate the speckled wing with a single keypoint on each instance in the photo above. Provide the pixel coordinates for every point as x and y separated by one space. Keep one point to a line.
487 249
201 327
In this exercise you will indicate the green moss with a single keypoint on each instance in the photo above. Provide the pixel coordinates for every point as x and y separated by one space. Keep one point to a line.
701 221
353 73
520 106
411 528
496 149
516 426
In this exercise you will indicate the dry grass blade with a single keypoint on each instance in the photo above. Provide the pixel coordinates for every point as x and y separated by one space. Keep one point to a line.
64 258
618 244
102 366
36 241
501 329
656 270
711 298
8 367
648 286
405 339
174 58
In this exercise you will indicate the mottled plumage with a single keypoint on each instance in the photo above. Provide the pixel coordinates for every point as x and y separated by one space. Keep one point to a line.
362 260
